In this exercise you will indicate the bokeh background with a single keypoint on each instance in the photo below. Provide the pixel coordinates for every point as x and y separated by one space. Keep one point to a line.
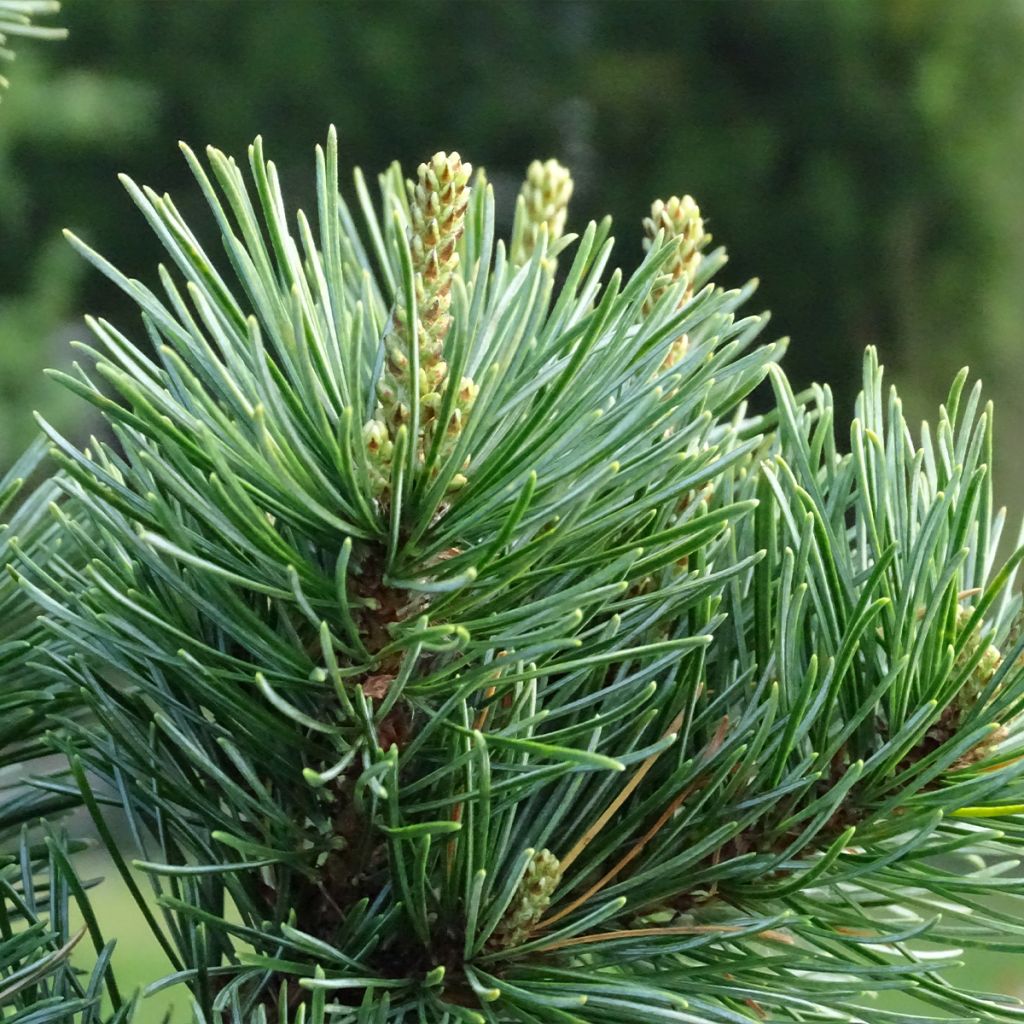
864 159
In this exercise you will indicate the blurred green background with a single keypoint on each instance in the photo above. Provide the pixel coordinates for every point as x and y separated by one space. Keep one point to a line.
862 158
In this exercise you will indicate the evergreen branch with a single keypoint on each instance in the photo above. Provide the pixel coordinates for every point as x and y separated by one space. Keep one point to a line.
589 699
18 19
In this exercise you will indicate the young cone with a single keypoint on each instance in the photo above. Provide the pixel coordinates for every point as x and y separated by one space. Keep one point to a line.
438 202
541 209
680 223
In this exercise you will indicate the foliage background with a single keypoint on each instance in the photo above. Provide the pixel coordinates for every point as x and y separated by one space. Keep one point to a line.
862 158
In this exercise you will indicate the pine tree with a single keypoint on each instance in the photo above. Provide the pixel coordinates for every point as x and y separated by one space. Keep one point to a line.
459 649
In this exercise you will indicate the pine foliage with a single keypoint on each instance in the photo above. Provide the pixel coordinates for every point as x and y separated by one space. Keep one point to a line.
38 887
458 649
19 18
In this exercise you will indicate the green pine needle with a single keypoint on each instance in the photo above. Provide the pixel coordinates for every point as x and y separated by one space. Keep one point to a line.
19 19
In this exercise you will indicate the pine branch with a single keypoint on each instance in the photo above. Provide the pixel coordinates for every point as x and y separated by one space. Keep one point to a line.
38 885
18 19
594 701
38 984
27 694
